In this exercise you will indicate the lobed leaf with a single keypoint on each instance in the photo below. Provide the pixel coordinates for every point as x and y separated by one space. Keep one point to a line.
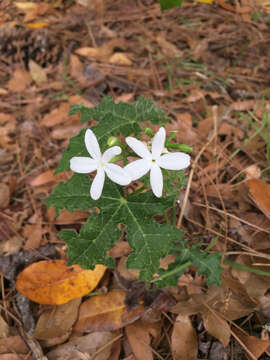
149 240
122 118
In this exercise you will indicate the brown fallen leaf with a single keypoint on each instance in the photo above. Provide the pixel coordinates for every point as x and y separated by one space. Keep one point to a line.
167 47
255 345
20 80
66 217
38 73
4 196
56 116
103 52
184 343
260 193
33 234
215 307
11 245
217 327
4 328
49 177
106 313
68 131
36 12
54 283
12 356
13 343
139 338
79 348
56 322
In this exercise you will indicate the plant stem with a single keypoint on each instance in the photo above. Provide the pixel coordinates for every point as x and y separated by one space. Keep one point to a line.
172 272
246 268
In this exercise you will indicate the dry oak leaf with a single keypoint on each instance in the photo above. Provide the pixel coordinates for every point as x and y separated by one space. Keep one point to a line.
260 193
54 283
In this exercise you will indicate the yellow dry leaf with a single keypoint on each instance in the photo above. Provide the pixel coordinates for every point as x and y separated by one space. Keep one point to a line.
38 25
120 59
54 283
205 1
25 5
3 91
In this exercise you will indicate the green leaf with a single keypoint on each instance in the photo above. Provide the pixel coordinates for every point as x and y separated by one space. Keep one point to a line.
169 4
207 264
149 240
81 109
113 119
170 276
71 195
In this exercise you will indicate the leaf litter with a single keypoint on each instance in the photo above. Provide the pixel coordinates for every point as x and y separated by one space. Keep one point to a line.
57 54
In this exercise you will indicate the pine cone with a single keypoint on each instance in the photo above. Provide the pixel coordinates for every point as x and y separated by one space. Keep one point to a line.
19 45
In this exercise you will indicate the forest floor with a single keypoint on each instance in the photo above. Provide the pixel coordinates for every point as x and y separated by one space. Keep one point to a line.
207 66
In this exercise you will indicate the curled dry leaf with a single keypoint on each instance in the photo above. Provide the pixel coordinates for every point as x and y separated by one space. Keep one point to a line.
106 312
54 283
260 193
184 339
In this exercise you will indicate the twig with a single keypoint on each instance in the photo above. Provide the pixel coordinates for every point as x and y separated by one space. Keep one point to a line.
179 222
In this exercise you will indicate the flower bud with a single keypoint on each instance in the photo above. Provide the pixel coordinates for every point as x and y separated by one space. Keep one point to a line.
112 141
149 132
182 147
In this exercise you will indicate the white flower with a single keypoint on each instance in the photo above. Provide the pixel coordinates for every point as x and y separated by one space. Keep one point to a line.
101 163
154 161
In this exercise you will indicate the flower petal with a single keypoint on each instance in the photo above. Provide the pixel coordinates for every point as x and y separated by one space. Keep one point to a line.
117 174
92 145
138 168
156 180
138 147
158 143
97 184
174 161
110 153
83 165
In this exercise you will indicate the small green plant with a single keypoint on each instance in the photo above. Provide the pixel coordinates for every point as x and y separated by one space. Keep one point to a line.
98 149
